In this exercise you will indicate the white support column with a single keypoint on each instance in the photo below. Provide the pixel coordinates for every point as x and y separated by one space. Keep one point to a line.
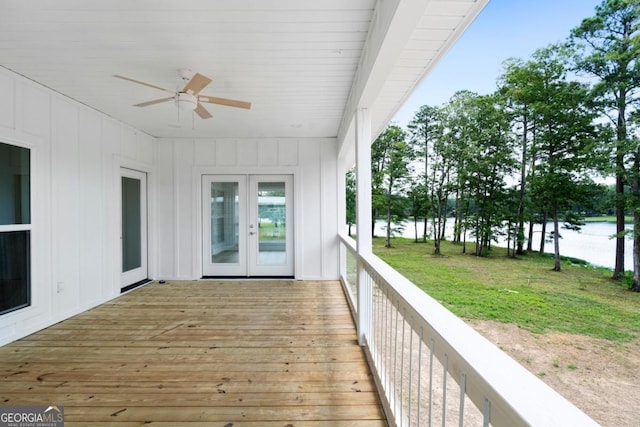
363 218
341 187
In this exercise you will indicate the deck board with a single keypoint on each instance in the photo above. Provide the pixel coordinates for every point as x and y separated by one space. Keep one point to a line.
215 353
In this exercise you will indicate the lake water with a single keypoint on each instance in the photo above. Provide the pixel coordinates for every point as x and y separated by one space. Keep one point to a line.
592 244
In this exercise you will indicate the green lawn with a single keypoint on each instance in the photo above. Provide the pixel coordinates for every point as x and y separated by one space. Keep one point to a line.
610 218
268 231
524 291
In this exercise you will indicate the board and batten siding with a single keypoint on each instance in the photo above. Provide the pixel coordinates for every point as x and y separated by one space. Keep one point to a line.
181 163
76 156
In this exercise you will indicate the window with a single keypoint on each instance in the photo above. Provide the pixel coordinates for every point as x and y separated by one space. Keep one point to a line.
15 228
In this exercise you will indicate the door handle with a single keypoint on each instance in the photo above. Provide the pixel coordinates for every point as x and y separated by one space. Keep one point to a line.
251 233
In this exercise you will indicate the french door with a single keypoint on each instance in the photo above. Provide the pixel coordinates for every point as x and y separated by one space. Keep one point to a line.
247 225
133 228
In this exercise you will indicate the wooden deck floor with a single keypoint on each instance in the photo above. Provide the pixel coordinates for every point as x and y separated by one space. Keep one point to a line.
204 353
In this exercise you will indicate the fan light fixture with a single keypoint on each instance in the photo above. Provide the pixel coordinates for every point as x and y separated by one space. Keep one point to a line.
185 101
189 98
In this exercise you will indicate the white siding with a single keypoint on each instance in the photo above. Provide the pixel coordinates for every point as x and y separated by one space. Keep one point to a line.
181 164
77 154
76 157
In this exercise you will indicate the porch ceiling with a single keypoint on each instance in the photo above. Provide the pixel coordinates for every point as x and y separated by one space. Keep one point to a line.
298 62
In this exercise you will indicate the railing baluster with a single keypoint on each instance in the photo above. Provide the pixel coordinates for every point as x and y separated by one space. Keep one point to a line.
486 413
463 391
389 345
389 299
431 354
395 357
387 334
401 390
420 345
376 323
445 366
410 376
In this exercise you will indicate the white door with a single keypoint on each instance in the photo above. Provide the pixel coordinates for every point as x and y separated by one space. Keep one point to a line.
133 227
248 225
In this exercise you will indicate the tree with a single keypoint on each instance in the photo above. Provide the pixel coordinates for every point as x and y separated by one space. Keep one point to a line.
459 133
433 148
607 47
566 138
490 155
518 85
418 206
424 128
391 156
350 184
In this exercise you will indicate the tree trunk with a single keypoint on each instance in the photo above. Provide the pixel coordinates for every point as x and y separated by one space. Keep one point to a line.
618 270
426 222
621 137
457 223
464 241
636 249
387 243
532 169
443 225
436 232
415 228
373 223
556 239
635 197
523 177
543 232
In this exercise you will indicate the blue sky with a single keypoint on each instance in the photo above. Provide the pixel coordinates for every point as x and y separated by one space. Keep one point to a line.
504 29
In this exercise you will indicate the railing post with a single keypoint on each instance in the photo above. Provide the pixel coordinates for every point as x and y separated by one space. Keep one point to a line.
363 218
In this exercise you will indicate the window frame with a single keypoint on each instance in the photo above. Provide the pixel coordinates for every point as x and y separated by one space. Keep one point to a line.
28 227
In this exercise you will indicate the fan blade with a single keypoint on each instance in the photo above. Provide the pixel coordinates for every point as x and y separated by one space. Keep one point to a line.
202 112
225 101
196 84
155 101
143 83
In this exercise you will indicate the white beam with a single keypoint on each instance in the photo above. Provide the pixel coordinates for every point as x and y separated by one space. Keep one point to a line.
391 27
363 218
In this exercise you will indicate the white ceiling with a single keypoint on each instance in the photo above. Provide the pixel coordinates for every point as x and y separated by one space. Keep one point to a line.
294 60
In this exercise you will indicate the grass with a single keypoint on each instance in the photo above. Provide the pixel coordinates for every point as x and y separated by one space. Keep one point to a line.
268 231
608 218
525 291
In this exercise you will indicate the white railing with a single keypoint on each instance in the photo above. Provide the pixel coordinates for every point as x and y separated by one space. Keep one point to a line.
433 369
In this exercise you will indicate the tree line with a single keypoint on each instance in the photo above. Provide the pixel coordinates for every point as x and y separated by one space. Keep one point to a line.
528 153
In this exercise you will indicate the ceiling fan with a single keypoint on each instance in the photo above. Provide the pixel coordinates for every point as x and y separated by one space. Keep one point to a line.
189 97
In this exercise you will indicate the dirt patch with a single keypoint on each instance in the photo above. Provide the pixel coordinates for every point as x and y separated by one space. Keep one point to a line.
600 377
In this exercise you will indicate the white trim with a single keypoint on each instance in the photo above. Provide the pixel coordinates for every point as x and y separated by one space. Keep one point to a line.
138 274
254 268
196 178
247 264
363 216
15 227
238 268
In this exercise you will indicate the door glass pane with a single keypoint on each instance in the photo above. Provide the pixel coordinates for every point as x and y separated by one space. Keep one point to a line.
272 236
131 224
225 217
15 268
14 185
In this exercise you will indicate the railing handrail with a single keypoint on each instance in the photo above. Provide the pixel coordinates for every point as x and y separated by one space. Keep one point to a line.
516 396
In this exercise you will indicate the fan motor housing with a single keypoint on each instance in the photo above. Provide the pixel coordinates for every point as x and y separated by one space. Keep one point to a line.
185 101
